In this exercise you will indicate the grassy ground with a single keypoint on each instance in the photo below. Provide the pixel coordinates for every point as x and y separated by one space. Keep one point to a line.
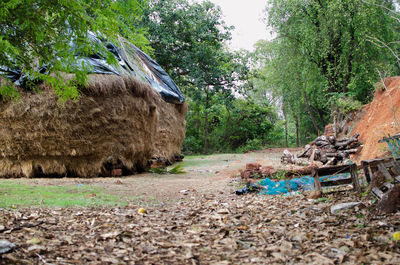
204 174
14 195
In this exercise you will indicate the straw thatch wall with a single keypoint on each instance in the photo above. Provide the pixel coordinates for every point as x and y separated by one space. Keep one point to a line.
119 122
170 131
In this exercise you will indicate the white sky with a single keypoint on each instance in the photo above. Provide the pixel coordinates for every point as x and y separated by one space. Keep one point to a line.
246 16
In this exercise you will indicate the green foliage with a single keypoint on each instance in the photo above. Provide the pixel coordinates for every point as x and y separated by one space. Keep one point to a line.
322 199
251 145
333 35
282 77
192 145
348 104
244 125
189 41
38 33
279 175
322 51
175 170
249 121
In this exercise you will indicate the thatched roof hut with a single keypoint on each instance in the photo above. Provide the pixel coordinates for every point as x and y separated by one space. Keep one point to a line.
120 122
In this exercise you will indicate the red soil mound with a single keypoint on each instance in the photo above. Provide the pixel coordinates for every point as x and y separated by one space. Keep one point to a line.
378 120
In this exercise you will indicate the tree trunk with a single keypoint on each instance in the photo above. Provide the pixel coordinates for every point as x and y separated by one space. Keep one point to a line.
298 140
227 125
205 125
299 132
286 125
286 133
309 109
349 71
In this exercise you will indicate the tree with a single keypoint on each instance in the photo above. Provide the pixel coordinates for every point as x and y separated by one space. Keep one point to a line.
282 76
329 40
332 35
188 40
40 32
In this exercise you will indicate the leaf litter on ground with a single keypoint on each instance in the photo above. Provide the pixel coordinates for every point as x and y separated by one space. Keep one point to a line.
204 229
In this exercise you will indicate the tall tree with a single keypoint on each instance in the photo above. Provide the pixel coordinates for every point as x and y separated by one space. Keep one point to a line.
282 73
189 42
331 39
332 35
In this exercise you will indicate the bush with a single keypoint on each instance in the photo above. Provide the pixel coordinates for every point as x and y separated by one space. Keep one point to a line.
191 145
348 104
251 145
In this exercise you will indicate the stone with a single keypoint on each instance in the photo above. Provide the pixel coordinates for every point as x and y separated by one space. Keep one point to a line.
6 246
343 206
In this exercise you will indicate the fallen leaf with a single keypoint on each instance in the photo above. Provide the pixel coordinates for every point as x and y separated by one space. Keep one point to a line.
34 240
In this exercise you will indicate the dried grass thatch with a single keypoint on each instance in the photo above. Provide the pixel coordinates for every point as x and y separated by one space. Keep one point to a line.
119 122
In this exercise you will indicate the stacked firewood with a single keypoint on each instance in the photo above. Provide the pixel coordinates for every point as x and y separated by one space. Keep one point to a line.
325 149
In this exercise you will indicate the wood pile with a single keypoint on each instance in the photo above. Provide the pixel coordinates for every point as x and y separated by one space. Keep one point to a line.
328 150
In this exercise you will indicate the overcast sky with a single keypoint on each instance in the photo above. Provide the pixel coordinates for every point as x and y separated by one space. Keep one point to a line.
246 16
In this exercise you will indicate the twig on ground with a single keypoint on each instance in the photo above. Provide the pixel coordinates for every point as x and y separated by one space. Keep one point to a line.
42 259
21 227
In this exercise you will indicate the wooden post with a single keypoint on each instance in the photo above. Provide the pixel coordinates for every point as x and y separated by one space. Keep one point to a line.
317 183
385 172
365 166
396 167
354 177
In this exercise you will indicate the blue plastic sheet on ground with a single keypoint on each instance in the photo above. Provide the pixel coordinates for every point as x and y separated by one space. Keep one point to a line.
303 183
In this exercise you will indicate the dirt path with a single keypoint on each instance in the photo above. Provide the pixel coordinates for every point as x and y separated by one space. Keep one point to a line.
204 174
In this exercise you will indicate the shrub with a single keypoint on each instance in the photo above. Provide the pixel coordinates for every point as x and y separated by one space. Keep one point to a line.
251 145
348 104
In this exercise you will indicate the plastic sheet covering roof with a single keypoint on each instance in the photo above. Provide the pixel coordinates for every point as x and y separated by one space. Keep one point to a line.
131 61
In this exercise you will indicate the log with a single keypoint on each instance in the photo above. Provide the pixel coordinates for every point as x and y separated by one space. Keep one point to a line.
354 145
326 149
323 138
306 152
324 158
347 141
312 157
331 161
330 155
342 155
288 158
301 162
329 150
351 151
321 143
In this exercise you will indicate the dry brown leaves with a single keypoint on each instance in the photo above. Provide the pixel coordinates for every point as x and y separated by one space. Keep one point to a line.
204 229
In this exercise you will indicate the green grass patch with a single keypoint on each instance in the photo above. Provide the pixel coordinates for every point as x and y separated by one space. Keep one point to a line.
14 195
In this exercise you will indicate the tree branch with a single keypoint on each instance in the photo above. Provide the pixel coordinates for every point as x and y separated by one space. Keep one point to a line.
384 7
381 44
